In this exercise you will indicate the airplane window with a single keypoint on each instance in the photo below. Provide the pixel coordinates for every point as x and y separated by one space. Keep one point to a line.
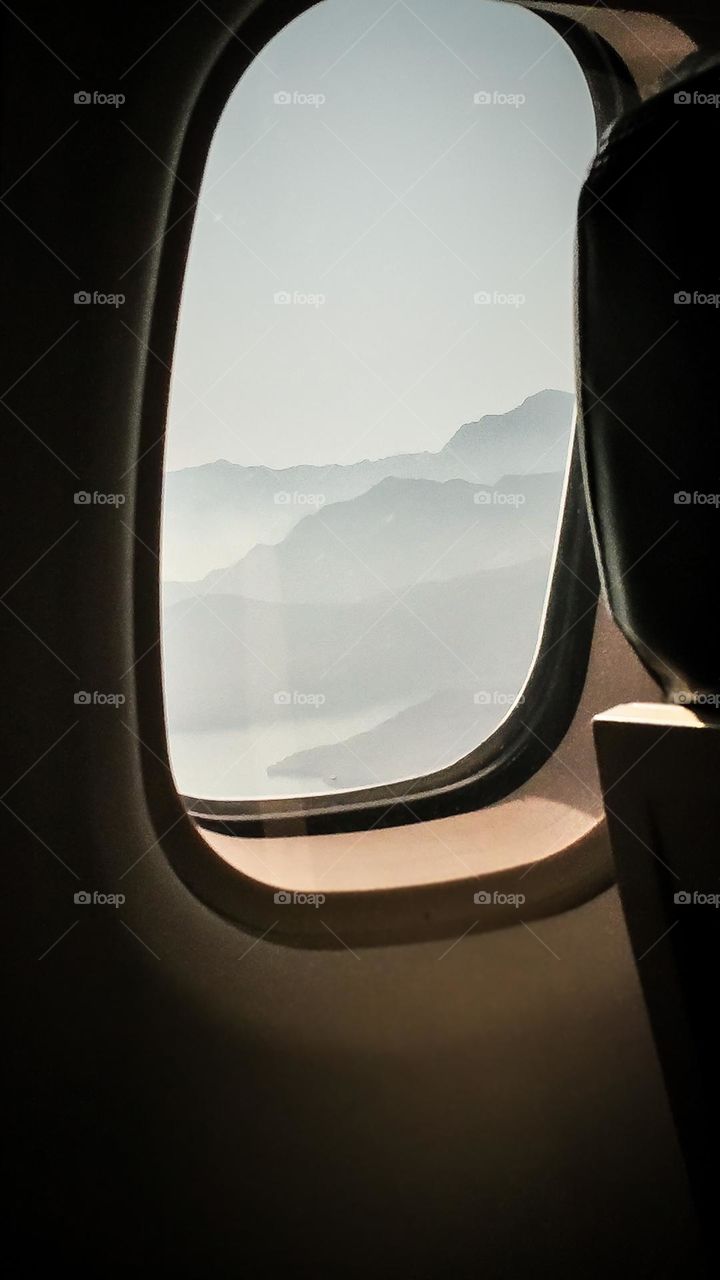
372 397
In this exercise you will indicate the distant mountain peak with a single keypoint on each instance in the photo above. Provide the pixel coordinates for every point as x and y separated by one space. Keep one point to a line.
537 400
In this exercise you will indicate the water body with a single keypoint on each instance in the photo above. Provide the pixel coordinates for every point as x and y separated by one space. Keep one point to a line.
219 764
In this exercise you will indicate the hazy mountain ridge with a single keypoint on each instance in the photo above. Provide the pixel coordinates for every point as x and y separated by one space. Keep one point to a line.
216 513
227 658
292 633
394 535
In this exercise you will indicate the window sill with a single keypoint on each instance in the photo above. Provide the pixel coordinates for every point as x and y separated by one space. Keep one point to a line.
546 842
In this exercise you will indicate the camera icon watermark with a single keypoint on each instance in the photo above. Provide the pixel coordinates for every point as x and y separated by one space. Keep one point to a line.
283 298
83 898
498 298
83 498
284 98
497 498
696 899
295 498
497 698
684 298
284 898
486 898
84 298
83 698
696 98
680 698
685 499
296 698
85 98
496 98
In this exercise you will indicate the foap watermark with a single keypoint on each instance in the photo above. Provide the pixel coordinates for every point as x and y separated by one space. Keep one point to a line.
284 898
497 498
681 699
84 298
86 898
686 898
498 98
296 698
696 298
296 98
83 498
95 98
685 499
486 898
298 299
696 99
497 698
295 498
498 298
83 698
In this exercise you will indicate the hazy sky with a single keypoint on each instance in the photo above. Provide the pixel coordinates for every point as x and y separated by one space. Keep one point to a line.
396 200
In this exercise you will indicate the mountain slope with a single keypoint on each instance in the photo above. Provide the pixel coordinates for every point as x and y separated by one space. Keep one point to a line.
398 748
397 534
215 514
227 658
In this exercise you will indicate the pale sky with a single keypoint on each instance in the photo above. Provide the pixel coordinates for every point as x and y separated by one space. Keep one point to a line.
394 201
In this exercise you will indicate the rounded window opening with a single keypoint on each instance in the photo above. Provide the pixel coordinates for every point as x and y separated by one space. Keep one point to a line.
372 398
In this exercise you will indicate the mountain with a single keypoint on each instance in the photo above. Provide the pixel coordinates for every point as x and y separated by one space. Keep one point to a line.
214 514
451 719
230 661
397 534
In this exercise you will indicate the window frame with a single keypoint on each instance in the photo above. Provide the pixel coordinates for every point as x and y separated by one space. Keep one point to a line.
530 733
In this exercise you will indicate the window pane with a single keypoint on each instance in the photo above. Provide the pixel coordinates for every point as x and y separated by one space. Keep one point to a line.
372 397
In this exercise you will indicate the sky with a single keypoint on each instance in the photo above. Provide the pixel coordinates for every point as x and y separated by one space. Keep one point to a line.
353 173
